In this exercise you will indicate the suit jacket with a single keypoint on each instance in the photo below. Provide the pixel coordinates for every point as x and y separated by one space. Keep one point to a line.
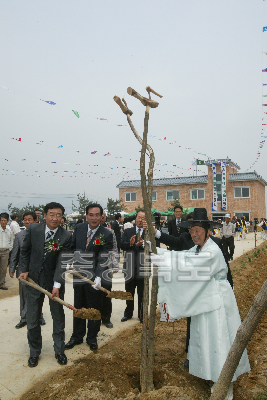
32 257
99 251
117 230
172 228
133 266
14 264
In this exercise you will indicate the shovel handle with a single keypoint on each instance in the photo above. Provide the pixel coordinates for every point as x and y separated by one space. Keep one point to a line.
31 283
74 272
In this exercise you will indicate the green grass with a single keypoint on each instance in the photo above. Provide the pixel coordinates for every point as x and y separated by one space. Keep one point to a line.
249 259
262 396
243 265
237 270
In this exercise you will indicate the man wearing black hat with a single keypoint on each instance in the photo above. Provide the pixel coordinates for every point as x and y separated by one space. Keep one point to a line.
198 288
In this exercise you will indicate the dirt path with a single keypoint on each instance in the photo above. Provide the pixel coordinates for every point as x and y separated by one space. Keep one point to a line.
17 378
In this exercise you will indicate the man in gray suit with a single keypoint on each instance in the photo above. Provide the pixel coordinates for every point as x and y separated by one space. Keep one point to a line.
29 217
40 258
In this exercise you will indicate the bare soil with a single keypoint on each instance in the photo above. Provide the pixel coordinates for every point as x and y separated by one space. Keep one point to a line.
113 372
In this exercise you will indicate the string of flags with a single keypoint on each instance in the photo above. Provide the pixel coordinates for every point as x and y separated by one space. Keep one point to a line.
263 134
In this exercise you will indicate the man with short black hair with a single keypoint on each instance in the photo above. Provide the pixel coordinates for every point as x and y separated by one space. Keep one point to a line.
227 233
117 229
29 217
14 226
92 238
174 227
132 243
41 260
38 213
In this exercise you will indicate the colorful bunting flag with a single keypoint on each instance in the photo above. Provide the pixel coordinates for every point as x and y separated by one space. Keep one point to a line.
76 113
50 102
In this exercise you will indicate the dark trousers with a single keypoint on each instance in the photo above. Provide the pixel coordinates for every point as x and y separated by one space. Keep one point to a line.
130 287
35 301
23 301
107 306
87 297
228 244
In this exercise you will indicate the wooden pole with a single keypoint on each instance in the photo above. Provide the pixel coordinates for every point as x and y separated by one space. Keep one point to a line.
242 338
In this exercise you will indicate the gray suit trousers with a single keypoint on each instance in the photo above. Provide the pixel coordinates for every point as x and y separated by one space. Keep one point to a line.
34 304
23 301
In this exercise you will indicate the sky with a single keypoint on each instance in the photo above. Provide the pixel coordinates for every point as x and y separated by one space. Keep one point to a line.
204 57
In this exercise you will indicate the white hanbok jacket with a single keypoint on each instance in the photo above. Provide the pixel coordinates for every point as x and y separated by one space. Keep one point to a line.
195 285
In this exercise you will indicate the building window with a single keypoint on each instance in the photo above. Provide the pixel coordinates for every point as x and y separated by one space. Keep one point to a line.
154 196
242 192
240 214
131 196
172 194
197 194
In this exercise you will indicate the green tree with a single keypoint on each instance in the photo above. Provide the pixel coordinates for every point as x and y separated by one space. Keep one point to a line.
114 206
83 202
21 211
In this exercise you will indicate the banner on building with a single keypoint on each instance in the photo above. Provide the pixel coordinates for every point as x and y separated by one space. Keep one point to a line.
224 197
214 197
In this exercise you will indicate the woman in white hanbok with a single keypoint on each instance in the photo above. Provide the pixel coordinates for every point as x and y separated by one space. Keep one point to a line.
193 283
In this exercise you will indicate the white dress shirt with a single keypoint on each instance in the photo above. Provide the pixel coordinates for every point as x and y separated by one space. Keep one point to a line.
56 285
14 227
6 239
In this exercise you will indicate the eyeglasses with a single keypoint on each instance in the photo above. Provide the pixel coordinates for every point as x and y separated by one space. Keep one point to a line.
55 216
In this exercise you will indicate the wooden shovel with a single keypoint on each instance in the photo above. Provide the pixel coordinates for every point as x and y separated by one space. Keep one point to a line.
84 313
114 294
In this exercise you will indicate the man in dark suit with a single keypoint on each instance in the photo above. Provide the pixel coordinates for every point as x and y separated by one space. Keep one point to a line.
95 240
174 228
29 217
40 258
117 229
132 243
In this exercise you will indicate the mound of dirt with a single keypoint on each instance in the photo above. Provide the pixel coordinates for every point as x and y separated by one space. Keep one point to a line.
113 372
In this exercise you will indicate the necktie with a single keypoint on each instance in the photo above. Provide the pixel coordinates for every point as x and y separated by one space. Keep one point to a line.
88 239
178 227
138 235
48 235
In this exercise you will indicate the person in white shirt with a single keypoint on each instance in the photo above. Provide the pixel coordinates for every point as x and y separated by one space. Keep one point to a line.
6 244
14 226
227 233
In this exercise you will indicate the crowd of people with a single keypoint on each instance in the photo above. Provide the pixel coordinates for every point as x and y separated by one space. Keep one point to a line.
44 248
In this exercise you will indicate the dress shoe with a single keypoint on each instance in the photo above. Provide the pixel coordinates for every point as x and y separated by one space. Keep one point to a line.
125 319
21 324
108 324
93 346
71 343
4 288
42 322
61 359
186 364
33 361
